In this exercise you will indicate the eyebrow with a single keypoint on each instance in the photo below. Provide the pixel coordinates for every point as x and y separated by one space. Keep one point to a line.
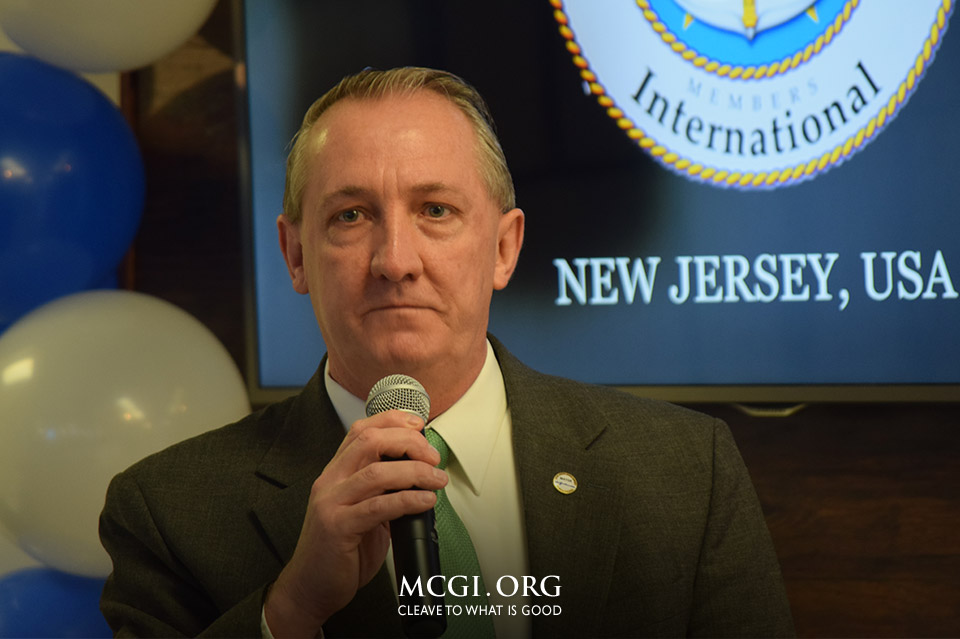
353 191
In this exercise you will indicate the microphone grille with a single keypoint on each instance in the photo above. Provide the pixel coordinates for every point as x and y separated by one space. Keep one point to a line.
398 392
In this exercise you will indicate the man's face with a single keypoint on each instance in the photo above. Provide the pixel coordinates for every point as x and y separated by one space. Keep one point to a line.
400 245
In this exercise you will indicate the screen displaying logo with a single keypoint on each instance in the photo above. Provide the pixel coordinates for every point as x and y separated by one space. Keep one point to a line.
752 94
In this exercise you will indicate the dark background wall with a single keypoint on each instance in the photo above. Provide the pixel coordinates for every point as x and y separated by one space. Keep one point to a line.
862 500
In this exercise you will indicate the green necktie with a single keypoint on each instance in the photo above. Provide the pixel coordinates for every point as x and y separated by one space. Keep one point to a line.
458 557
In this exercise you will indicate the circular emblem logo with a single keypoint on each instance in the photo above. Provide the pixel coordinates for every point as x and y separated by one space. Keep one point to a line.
565 483
748 93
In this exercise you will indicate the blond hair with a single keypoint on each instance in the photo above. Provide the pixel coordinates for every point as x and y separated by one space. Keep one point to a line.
373 84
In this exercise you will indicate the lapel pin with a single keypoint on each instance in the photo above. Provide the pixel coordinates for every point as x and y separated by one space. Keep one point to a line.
565 483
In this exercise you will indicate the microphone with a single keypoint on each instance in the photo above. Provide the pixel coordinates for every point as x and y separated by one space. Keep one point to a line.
416 549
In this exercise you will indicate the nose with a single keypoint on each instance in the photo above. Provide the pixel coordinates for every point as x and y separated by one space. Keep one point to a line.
396 254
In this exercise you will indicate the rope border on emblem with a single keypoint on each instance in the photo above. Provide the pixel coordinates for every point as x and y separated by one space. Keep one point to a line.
757 72
777 177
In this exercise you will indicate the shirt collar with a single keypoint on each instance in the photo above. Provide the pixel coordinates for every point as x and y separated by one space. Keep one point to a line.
349 407
470 427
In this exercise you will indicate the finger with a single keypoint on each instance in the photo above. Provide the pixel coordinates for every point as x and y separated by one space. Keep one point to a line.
387 419
388 476
369 442
370 513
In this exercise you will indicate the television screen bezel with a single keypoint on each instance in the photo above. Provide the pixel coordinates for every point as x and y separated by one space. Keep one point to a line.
762 395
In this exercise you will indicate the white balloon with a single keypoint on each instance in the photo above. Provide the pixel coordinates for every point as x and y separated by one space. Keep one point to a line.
12 557
89 384
102 35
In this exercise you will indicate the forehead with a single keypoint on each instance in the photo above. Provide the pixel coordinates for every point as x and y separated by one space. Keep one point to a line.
395 128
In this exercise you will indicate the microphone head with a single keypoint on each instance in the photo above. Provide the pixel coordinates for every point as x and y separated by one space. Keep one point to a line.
398 392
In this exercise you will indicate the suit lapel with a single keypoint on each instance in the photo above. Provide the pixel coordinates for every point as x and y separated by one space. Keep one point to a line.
552 434
305 440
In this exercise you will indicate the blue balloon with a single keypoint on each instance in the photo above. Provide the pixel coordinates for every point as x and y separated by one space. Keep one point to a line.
71 185
42 602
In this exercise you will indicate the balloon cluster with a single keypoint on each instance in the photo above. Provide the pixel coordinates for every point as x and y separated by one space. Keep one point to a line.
90 380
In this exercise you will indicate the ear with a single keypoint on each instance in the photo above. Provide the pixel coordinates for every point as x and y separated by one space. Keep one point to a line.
292 251
510 239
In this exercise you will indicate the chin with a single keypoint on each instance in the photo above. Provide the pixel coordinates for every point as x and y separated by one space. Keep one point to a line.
406 352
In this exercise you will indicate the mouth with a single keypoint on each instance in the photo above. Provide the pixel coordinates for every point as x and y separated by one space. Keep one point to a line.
398 308
400 316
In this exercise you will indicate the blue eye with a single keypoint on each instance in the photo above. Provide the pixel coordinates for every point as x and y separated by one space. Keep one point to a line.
349 216
437 211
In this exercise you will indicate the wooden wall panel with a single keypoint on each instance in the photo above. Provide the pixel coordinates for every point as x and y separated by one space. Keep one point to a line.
863 503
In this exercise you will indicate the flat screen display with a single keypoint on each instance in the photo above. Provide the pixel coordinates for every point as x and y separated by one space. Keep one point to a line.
724 200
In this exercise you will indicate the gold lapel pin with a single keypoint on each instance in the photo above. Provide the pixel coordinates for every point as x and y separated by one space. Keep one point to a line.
565 483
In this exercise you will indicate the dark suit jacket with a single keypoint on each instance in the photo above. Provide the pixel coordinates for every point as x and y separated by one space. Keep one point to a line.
664 535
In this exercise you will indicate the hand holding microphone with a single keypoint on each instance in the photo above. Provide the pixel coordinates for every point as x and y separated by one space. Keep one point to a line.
345 533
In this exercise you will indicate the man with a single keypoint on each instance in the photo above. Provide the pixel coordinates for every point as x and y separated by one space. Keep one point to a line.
399 222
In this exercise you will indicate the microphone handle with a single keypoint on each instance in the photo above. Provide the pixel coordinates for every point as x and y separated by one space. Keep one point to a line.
416 549
416 557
